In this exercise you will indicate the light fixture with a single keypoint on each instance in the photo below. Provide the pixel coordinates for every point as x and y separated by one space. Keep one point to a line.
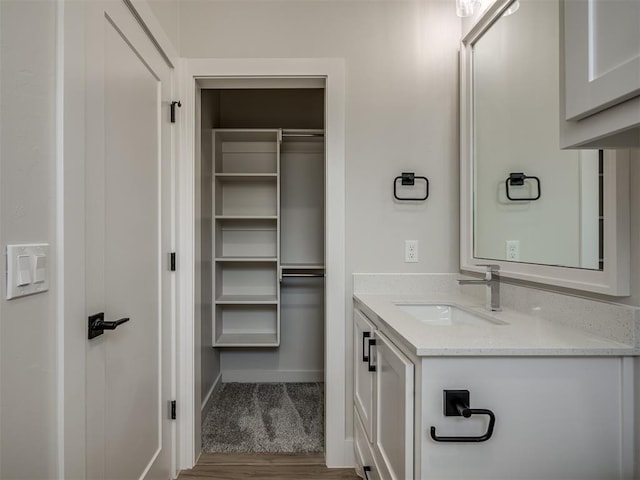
466 8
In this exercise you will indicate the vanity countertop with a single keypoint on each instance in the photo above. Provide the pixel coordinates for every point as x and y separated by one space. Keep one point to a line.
522 335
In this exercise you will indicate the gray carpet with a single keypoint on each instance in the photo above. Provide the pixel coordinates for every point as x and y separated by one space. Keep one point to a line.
265 417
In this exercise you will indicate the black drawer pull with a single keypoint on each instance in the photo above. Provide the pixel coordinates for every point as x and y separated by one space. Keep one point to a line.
366 469
456 404
372 368
365 356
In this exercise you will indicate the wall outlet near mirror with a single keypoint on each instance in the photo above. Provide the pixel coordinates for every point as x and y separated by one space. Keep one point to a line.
411 251
513 250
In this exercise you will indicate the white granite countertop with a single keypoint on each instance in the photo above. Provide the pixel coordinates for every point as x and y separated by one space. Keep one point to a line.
520 335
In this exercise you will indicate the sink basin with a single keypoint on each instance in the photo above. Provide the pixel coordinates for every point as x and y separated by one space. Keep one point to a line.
446 315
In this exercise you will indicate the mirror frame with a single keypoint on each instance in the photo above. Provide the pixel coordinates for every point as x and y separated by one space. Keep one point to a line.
614 279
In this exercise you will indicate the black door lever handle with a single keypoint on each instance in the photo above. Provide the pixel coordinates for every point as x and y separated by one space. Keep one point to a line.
97 325
112 325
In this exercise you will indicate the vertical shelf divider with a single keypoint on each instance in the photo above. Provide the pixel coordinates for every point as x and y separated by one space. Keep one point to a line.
246 233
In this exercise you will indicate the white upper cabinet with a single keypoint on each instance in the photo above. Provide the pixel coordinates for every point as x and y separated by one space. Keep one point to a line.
601 84
602 54
601 107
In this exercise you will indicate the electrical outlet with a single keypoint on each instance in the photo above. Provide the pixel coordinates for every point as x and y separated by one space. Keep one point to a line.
411 251
513 250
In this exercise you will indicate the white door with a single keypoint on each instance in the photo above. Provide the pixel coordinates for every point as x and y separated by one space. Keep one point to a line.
127 237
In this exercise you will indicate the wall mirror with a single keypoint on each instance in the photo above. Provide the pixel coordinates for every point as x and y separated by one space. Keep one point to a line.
546 215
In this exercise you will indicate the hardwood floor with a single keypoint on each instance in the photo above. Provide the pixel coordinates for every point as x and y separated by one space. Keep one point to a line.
286 466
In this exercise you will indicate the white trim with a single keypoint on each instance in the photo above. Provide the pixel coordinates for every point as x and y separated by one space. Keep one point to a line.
207 399
615 278
185 257
149 22
59 250
261 83
272 376
628 462
333 71
71 342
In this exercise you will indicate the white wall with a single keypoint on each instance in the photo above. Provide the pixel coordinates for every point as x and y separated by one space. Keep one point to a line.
27 201
401 111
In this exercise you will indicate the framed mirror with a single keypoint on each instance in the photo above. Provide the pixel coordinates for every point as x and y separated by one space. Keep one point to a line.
546 215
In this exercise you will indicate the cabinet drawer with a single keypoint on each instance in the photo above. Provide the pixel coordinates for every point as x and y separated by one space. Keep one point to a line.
365 463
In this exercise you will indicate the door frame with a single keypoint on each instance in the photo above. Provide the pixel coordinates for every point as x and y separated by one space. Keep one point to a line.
68 247
338 448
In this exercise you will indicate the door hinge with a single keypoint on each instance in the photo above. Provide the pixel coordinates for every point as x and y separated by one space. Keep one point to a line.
173 409
173 110
172 261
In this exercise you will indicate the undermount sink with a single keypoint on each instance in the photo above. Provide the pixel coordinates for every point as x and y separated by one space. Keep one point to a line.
446 315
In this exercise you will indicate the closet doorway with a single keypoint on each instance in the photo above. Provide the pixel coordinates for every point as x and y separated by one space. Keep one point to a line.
260 264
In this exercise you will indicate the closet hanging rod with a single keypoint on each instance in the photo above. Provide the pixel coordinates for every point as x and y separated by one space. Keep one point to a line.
303 274
303 134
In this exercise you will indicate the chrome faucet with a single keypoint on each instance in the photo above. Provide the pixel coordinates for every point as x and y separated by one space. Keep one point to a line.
492 282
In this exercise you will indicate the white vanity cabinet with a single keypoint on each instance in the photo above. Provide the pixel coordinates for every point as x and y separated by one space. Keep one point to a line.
384 410
601 55
556 417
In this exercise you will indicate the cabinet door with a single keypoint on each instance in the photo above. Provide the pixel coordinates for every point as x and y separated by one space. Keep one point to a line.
393 411
363 331
602 54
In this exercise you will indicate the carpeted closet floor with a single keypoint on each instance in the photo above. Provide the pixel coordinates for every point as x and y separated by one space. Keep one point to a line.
265 417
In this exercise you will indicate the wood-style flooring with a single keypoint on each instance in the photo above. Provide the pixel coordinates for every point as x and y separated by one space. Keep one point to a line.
256 466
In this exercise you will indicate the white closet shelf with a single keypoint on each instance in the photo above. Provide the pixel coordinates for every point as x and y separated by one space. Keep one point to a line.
246 177
247 259
245 135
247 340
302 266
247 299
246 217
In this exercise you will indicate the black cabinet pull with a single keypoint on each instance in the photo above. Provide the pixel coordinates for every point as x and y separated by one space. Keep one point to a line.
366 469
365 356
372 368
97 325
456 404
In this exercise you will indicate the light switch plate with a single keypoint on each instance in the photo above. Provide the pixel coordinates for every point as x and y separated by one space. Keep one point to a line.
33 254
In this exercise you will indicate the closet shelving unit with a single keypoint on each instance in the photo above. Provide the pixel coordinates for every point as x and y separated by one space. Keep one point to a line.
246 198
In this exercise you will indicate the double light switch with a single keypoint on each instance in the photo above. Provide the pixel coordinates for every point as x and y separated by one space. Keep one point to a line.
27 269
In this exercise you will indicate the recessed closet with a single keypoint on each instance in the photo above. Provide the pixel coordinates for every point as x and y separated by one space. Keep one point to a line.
260 269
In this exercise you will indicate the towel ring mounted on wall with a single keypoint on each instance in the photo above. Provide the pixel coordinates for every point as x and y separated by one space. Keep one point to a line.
409 179
517 179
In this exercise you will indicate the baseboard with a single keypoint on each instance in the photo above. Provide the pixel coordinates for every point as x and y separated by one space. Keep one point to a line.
206 403
342 458
272 376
